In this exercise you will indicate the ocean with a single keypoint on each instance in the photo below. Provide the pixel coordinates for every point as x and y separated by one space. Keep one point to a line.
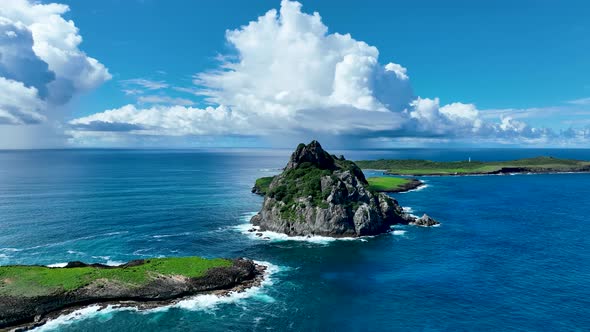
511 253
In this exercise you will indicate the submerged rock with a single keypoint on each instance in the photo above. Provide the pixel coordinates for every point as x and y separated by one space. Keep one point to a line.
320 194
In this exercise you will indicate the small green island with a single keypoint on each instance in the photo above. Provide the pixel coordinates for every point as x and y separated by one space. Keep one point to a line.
413 167
31 293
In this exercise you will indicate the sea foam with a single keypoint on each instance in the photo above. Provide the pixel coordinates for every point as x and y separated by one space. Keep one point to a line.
208 302
422 187
279 237
251 231
171 235
93 311
205 302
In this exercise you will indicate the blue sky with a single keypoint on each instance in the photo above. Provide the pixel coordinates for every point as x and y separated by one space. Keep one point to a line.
523 60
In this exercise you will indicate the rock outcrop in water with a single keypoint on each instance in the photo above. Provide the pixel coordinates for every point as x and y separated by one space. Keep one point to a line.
321 194
424 221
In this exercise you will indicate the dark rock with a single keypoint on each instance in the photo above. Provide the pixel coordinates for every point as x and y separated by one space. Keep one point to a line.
16 310
341 205
311 153
425 221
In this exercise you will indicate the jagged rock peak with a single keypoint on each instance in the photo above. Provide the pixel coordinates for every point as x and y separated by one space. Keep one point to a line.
311 153
321 194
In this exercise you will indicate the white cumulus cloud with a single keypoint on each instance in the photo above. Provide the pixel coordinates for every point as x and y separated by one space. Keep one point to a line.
40 61
19 104
289 74
162 120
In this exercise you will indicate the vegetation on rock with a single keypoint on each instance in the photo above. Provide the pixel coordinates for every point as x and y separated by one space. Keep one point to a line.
29 293
392 184
427 167
262 184
21 280
321 194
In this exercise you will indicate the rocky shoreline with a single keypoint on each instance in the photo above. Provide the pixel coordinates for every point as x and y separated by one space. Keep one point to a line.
21 314
319 194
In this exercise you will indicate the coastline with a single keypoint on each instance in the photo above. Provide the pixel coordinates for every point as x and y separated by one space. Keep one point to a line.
497 173
259 274
420 167
413 184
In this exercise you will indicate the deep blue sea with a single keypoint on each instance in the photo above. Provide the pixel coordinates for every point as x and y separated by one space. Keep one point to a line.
512 253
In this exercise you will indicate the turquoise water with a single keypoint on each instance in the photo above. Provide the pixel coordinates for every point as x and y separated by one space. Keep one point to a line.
511 254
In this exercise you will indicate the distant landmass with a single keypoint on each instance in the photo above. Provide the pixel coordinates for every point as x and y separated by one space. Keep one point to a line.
386 184
29 294
322 194
413 167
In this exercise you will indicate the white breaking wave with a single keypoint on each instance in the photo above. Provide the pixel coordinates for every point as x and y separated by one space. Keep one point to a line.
422 187
251 231
280 237
205 302
78 315
407 209
208 302
108 262
171 235
113 263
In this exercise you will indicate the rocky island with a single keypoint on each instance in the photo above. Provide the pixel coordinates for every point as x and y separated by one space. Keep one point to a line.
536 165
321 194
31 294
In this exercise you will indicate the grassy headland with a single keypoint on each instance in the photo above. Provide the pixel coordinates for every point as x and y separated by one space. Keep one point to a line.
29 281
30 295
427 167
392 184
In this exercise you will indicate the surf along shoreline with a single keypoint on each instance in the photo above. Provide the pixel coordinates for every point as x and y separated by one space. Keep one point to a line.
163 291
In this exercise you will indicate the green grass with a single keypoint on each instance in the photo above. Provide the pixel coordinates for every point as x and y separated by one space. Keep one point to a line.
303 182
423 167
386 183
23 280
262 184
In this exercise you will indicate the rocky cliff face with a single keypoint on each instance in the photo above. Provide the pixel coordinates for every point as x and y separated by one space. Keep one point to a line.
321 194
